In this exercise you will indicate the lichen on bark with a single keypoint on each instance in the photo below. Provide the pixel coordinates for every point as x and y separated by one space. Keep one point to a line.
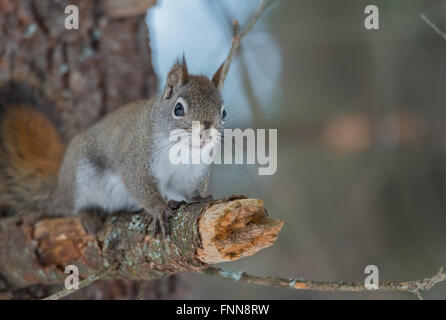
199 235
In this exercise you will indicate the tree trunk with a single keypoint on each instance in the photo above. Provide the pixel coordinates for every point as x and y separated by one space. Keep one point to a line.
86 73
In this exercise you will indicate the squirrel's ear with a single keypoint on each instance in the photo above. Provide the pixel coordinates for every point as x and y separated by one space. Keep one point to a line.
177 76
217 76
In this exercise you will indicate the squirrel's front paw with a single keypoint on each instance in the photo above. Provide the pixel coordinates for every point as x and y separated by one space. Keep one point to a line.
174 205
162 220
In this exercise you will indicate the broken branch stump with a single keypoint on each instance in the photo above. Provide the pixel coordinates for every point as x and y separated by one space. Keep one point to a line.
200 234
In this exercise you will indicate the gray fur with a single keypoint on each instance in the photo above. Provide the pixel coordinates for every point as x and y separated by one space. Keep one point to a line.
121 163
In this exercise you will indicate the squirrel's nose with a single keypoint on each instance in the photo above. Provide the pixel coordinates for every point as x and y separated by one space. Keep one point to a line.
207 125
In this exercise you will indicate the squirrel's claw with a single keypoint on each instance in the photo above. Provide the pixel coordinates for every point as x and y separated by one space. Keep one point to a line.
160 227
162 220
173 205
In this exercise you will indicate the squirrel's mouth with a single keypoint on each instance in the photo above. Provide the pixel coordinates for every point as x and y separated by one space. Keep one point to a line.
204 139
204 142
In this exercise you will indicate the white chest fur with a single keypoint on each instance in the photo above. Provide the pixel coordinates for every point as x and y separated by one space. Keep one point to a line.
178 182
101 188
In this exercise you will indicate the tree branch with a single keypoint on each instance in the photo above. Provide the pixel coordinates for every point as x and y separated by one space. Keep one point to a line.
238 36
433 26
414 286
201 234
101 274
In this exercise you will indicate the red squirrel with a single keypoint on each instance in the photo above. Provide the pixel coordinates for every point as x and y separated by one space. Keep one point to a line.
119 164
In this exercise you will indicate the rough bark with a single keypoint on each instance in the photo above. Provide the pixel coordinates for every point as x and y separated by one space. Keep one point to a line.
86 72
200 234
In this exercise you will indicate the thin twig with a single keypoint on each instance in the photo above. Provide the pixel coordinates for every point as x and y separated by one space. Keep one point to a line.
237 37
418 294
414 286
433 26
63 293
256 109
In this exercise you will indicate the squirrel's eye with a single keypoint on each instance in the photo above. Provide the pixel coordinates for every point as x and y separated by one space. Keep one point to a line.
178 111
223 114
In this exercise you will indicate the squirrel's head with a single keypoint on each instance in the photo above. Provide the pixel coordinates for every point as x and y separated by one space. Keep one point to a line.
190 98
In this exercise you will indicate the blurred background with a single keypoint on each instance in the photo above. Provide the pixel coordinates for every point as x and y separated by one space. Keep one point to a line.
360 114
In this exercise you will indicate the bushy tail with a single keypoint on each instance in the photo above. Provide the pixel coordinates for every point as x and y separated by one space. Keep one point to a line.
31 149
